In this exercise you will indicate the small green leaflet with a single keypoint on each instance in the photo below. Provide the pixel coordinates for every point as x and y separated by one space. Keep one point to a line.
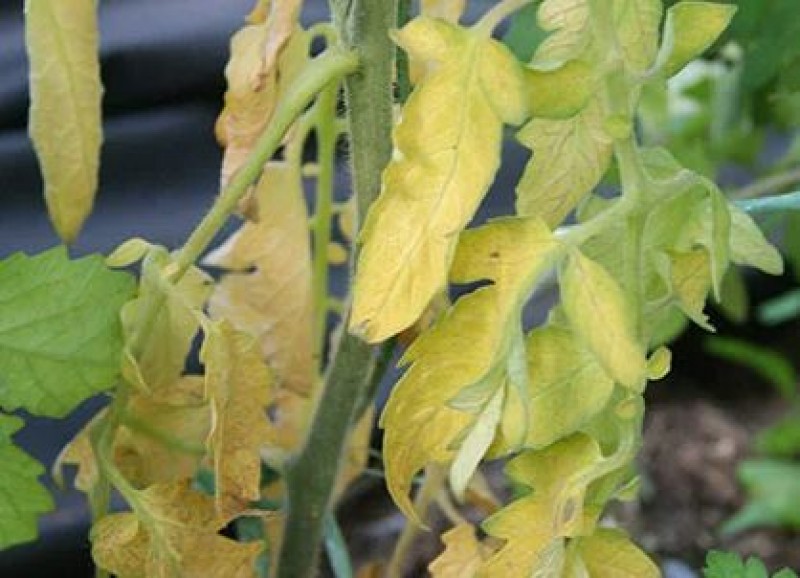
773 489
22 497
729 565
60 333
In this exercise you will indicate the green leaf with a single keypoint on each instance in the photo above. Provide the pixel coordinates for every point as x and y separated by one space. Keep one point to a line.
781 439
22 496
730 565
560 93
569 159
748 246
773 490
60 334
597 309
690 28
767 363
65 113
637 23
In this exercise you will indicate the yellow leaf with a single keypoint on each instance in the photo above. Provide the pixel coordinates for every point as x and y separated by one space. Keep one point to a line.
447 149
691 27
560 93
265 58
337 254
162 436
463 359
238 386
65 113
569 159
462 556
535 526
162 357
567 386
748 246
176 536
78 452
568 23
267 292
450 10
691 281
598 311
637 23
608 553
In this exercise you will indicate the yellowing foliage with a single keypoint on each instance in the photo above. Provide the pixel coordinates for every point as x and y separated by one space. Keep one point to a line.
65 113
447 149
462 556
461 363
266 292
238 387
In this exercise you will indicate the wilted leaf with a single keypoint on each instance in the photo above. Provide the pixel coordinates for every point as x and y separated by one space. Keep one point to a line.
65 113
597 309
60 335
569 159
267 292
238 386
610 553
176 535
161 358
462 556
79 452
568 22
447 149
535 526
690 28
22 497
162 437
265 58
458 365
566 385
691 281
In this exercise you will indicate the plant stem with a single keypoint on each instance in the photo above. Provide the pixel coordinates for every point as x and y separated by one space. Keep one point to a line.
325 113
498 13
363 26
435 476
769 185
322 71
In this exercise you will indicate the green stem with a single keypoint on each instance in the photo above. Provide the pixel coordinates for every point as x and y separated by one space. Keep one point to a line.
363 25
326 145
498 13
769 185
323 70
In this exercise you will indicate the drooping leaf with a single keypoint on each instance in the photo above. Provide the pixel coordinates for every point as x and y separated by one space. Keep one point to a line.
610 553
566 384
690 28
161 358
447 149
22 497
267 290
569 159
466 352
65 112
535 526
597 309
238 386
691 280
175 535
462 556
60 335
266 55
162 437
79 452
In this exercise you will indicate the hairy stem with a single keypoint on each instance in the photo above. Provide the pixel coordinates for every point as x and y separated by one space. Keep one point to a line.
363 26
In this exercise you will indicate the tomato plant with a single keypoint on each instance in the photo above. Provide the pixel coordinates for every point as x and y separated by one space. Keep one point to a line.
276 426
